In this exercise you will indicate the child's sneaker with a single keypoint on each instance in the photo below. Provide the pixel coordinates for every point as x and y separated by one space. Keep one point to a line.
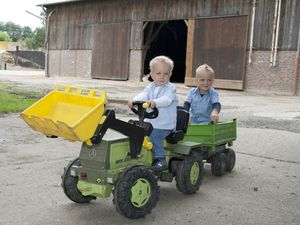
159 165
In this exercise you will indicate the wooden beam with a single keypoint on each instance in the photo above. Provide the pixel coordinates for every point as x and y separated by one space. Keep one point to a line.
218 83
189 49
145 25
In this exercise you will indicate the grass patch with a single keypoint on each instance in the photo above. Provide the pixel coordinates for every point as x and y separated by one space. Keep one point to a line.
14 99
14 103
19 91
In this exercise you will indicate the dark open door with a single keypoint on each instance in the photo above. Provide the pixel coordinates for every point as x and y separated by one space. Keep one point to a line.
220 43
110 54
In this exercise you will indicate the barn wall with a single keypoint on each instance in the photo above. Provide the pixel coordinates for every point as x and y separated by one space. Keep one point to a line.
72 63
135 65
71 25
71 32
279 79
298 82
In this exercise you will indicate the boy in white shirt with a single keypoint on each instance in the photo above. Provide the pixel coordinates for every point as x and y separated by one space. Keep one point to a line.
161 94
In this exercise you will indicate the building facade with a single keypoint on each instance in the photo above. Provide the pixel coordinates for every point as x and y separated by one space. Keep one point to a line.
251 44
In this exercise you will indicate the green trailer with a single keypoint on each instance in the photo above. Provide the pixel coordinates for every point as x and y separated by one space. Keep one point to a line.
115 156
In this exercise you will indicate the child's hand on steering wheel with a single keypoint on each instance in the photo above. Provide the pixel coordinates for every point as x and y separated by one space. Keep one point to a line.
151 103
129 103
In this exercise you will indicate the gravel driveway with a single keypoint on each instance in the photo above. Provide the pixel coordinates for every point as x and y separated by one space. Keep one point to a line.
264 187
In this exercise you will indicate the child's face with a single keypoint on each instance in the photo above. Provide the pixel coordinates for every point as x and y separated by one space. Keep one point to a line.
160 73
205 81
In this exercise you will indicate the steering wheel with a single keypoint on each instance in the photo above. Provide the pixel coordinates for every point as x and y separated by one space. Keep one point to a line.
141 110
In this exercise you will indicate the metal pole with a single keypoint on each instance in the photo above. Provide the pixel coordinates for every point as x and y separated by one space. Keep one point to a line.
47 44
297 65
273 33
252 31
17 55
277 34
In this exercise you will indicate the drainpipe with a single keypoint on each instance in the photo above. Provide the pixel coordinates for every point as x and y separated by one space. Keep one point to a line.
297 65
46 44
277 34
252 31
273 33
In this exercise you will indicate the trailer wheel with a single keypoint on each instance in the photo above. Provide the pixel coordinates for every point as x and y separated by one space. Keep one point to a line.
136 192
69 185
230 160
189 174
218 164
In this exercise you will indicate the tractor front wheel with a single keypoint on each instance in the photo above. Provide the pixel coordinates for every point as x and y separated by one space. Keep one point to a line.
189 174
136 192
69 184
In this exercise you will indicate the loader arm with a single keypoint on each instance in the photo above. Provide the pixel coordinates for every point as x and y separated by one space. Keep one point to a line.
135 133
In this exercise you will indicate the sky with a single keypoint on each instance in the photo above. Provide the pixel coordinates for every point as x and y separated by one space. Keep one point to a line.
14 10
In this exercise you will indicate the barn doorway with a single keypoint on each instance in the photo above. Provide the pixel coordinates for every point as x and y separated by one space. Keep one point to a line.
167 38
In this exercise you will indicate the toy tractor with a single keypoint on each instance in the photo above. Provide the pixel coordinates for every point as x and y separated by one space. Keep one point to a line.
120 162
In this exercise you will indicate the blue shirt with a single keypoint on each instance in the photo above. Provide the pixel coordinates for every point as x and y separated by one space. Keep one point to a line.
166 101
201 106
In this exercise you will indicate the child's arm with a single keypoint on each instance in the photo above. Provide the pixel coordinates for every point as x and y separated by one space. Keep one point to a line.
166 99
143 96
214 116
187 105
188 101
216 108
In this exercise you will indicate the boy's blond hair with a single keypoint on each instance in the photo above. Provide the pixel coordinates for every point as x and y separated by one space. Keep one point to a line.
205 69
162 59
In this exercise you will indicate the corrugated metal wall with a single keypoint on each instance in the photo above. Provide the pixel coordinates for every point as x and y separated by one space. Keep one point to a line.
71 25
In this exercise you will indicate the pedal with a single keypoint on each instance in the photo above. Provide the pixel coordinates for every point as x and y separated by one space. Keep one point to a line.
165 176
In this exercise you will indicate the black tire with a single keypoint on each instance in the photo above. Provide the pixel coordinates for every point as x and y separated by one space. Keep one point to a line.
136 192
230 160
189 174
69 185
218 164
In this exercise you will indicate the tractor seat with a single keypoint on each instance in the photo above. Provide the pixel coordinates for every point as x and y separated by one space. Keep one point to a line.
181 126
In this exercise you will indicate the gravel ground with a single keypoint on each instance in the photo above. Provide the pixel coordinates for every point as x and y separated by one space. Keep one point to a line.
264 187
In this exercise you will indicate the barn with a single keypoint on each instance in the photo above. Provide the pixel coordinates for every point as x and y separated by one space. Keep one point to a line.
251 44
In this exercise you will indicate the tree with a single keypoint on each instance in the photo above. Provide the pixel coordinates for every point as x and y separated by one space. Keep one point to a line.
4 36
37 39
14 30
2 26
26 32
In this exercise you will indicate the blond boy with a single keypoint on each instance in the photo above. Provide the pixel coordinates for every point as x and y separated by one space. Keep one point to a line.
161 94
203 102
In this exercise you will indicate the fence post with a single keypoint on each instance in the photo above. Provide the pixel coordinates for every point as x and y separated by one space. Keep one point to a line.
17 53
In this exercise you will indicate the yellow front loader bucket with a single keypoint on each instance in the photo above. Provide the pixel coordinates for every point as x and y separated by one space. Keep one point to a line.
69 112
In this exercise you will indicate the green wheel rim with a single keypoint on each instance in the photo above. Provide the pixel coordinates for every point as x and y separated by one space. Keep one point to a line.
140 192
194 175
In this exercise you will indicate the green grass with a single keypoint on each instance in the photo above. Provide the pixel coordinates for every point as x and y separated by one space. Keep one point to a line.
14 99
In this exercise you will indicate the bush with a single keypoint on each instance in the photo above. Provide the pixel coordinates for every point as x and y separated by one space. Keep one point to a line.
4 36
37 39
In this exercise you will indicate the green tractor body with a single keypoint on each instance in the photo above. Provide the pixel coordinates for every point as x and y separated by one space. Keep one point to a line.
117 158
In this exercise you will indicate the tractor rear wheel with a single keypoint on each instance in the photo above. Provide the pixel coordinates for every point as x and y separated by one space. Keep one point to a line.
69 184
218 164
136 192
189 174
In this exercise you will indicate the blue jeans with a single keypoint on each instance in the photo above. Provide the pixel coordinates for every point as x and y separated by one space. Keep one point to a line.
157 137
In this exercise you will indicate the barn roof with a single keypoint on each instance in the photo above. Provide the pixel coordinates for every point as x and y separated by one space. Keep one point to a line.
55 2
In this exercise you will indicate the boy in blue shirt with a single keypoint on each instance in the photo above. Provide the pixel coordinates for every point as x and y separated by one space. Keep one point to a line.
203 101
161 94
